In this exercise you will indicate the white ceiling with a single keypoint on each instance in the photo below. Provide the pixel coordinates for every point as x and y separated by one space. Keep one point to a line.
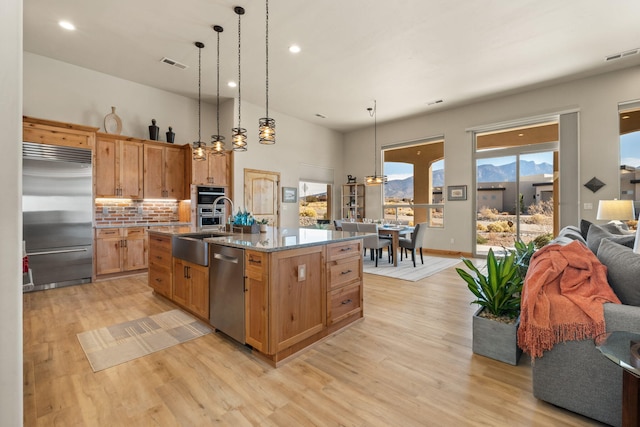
403 53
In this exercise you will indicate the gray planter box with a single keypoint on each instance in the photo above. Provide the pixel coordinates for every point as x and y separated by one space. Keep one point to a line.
496 340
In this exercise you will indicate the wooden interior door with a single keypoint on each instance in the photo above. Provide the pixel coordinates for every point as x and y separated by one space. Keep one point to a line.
261 189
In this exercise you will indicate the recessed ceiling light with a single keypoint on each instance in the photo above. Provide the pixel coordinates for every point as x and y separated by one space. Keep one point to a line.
294 48
232 84
67 25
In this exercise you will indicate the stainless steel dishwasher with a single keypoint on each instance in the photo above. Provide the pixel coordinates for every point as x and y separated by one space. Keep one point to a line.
226 291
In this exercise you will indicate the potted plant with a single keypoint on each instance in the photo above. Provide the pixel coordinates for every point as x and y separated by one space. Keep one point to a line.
497 292
263 224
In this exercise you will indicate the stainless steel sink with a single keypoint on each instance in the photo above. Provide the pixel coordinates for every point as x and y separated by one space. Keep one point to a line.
191 247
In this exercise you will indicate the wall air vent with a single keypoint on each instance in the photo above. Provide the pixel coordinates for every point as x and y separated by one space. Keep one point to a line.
622 55
173 63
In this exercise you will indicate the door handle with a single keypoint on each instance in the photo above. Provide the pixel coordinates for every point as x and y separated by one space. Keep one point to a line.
346 272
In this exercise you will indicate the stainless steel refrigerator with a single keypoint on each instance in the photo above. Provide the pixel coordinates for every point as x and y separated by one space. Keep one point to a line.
57 215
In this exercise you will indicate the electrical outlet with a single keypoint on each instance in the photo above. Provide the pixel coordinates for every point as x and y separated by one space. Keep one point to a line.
588 206
453 240
105 210
302 272
140 210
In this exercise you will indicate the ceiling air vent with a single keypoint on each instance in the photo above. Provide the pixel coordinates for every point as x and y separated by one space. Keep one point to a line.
622 55
173 63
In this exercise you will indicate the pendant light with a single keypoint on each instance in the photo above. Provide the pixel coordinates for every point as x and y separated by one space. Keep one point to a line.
239 136
375 179
199 152
217 141
267 125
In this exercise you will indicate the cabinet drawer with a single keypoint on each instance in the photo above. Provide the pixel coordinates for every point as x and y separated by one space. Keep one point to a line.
344 302
344 271
256 262
159 257
160 242
108 232
160 279
342 250
134 232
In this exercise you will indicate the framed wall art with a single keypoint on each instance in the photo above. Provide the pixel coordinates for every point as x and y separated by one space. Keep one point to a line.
289 195
457 192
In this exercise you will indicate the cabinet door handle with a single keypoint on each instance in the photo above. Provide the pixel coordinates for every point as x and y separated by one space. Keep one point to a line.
346 272
346 249
256 261
347 301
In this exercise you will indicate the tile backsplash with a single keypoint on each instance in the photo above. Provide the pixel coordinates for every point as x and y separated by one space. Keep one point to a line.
116 212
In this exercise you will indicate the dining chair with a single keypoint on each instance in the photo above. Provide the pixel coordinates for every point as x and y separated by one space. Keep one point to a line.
416 241
374 243
350 226
337 223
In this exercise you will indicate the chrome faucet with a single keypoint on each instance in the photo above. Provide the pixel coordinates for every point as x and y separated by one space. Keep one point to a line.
215 202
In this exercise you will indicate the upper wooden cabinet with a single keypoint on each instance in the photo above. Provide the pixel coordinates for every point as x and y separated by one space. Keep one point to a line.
215 170
164 171
118 168
57 133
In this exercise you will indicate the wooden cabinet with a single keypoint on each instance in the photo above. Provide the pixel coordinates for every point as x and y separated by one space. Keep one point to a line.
344 281
298 296
160 264
353 201
118 168
120 250
256 300
164 171
215 170
191 287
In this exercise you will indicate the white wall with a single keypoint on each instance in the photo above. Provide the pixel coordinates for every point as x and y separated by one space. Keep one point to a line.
11 214
55 90
59 91
596 98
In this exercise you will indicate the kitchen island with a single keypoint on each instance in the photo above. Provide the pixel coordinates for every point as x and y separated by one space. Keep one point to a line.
300 285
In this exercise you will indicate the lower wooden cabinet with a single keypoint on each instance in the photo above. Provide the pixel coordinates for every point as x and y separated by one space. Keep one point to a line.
256 300
191 287
344 281
160 264
120 250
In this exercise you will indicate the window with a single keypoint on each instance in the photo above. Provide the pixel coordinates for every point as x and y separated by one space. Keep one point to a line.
414 191
314 203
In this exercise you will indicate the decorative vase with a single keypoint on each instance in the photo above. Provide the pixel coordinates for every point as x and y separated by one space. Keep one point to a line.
153 130
171 136
112 122
263 228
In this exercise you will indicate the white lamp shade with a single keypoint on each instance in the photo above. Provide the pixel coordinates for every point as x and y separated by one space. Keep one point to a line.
621 210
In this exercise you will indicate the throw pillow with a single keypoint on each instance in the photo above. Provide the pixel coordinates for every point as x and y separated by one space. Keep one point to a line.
623 270
584 228
597 233
636 246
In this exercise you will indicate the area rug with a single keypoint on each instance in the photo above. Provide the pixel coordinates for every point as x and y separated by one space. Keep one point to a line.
113 345
405 269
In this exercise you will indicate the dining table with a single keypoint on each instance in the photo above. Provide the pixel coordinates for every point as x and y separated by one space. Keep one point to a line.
395 232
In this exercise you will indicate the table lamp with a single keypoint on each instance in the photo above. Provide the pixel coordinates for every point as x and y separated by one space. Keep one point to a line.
615 210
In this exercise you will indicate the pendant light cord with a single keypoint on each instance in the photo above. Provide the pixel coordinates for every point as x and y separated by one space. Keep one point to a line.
267 58
239 75
218 88
199 88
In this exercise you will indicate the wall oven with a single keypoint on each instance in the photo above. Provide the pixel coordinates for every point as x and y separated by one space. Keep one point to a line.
207 214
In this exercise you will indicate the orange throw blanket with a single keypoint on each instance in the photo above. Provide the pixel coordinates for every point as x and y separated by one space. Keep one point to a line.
562 298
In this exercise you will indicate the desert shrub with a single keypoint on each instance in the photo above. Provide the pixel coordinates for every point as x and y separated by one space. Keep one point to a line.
309 212
481 240
488 213
481 227
543 208
542 240
539 219
500 227
311 199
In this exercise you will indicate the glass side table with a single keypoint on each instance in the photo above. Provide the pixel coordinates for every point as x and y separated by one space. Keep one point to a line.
623 348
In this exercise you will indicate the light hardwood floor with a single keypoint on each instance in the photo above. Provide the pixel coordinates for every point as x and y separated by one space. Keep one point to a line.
408 363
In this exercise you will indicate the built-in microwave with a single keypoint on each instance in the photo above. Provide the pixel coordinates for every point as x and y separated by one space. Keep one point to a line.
207 214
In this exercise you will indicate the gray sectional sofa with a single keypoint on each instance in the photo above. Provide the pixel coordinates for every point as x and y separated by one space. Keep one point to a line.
575 375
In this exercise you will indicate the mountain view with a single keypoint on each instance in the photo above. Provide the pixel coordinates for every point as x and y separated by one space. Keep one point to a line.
403 188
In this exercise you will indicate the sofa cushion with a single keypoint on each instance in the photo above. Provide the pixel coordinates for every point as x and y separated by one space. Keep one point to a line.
623 270
597 233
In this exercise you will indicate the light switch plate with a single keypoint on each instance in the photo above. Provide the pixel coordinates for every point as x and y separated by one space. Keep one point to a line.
588 206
